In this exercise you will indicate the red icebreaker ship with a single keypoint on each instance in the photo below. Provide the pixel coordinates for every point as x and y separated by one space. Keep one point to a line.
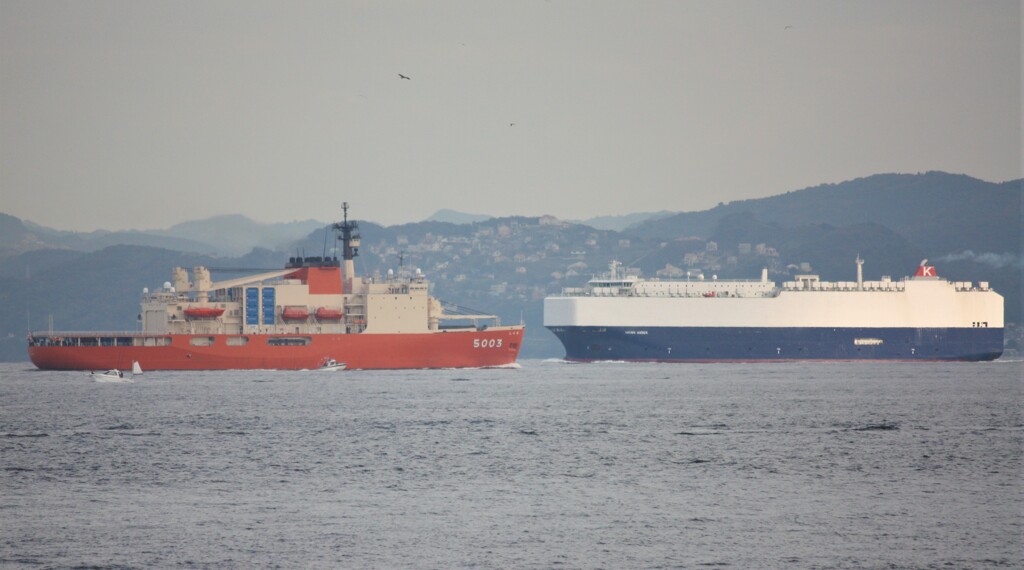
296 318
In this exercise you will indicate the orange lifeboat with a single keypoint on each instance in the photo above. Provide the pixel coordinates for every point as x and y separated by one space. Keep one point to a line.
295 314
328 314
203 312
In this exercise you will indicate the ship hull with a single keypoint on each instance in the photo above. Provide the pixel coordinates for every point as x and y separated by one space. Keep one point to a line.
464 348
760 344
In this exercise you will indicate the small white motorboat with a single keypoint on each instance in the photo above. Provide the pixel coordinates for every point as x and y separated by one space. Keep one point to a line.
112 375
115 375
330 365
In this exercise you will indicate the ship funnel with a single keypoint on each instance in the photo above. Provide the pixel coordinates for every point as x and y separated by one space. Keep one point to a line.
202 282
180 278
764 275
925 270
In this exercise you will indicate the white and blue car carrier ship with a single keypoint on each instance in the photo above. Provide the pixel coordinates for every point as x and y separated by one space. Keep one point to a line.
622 317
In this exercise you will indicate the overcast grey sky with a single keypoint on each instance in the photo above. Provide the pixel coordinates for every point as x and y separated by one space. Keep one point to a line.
143 114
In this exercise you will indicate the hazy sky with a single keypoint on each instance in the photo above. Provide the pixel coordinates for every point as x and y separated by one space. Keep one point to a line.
143 114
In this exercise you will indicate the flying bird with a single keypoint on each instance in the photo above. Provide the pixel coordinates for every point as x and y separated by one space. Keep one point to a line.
404 76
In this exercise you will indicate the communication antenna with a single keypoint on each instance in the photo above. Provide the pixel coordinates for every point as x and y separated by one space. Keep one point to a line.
349 232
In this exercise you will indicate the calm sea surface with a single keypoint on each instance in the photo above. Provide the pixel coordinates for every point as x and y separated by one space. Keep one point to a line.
551 465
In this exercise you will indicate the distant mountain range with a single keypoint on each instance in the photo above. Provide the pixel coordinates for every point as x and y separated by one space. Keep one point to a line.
616 223
453 217
237 235
970 229
935 210
230 235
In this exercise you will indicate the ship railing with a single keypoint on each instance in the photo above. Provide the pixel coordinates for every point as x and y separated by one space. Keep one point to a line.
487 320
49 333
454 312
867 286
167 296
479 322
451 317
91 338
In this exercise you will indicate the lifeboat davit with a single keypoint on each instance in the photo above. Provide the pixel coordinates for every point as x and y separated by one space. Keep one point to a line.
328 314
203 312
294 314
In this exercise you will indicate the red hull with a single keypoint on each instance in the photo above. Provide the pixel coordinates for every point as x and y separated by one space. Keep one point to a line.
444 349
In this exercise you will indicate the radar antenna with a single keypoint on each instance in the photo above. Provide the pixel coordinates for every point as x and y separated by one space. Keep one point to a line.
349 235
350 245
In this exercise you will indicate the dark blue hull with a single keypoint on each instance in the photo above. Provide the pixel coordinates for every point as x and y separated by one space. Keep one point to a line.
717 344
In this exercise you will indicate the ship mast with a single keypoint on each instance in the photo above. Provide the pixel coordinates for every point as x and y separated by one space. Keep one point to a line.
350 245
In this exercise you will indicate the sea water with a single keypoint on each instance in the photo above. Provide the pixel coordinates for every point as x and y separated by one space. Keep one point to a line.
549 465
